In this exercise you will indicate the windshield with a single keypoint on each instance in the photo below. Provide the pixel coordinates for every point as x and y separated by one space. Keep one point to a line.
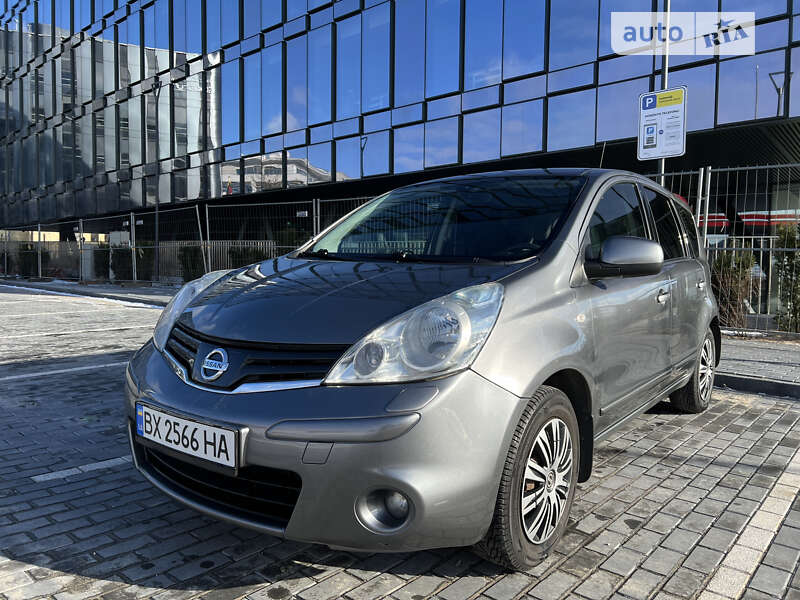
497 218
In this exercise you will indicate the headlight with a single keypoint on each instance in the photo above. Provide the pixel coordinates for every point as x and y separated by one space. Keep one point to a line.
437 338
179 303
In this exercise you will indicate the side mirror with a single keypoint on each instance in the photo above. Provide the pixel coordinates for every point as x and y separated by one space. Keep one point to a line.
626 257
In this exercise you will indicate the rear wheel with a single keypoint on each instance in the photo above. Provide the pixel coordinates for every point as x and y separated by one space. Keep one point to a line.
695 396
538 483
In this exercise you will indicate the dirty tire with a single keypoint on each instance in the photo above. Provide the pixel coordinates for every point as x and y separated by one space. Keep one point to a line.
694 397
506 542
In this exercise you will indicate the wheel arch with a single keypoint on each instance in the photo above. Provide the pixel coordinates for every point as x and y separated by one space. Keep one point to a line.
576 388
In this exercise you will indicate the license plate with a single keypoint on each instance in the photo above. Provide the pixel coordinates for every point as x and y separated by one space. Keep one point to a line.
189 437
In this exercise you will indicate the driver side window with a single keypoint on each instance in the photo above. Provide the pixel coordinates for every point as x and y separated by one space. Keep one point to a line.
619 212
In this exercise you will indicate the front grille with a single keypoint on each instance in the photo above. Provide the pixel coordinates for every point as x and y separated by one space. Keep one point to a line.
262 494
251 362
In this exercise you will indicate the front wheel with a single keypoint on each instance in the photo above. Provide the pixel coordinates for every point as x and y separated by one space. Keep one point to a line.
538 483
695 396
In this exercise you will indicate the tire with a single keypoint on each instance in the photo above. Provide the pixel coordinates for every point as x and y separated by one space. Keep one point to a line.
695 396
513 540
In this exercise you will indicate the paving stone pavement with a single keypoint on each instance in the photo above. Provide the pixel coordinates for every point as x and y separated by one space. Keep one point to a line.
764 358
679 506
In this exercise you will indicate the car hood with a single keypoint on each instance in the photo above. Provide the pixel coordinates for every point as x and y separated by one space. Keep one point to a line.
289 300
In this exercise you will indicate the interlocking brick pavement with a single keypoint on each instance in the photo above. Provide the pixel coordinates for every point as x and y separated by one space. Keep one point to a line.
675 502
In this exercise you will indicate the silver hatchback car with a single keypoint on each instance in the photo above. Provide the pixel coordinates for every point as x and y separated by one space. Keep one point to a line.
435 369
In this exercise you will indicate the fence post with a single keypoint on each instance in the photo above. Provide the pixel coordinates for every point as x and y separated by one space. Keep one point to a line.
80 249
208 238
315 208
200 231
39 250
5 254
699 196
133 247
707 194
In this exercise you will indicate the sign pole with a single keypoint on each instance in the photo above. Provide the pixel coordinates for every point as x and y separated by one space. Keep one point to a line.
662 163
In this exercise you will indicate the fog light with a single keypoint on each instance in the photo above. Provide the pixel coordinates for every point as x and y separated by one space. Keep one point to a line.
397 505
384 511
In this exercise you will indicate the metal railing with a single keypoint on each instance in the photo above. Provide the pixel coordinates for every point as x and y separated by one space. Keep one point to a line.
749 223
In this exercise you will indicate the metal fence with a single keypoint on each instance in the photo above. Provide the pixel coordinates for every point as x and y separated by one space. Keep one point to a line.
170 245
749 220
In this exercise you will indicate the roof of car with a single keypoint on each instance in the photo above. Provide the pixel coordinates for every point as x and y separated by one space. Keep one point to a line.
566 171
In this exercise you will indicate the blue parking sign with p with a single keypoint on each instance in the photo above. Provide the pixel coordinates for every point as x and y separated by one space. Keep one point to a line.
649 101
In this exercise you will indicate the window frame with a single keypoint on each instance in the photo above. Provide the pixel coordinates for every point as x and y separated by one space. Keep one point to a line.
648 223
672 209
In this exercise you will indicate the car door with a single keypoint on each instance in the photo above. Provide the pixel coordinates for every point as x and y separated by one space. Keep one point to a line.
630 315
682 271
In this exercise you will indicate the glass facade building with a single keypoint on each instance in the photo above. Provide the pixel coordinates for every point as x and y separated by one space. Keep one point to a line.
108 106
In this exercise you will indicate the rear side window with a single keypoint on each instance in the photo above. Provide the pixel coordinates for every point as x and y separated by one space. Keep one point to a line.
668 232
691 231
618 212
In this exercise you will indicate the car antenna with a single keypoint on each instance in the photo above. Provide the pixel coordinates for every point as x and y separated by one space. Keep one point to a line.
602 154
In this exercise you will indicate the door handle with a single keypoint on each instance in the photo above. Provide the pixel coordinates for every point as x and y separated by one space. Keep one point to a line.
662 297
701 285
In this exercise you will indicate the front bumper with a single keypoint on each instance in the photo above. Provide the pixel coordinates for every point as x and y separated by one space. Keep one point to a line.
443 444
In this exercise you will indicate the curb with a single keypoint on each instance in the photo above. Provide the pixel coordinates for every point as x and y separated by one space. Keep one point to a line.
83 292
756 385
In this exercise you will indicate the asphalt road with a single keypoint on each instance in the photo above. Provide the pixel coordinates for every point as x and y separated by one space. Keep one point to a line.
679 506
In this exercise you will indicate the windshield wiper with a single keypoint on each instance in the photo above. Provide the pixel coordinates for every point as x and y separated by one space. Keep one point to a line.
322 254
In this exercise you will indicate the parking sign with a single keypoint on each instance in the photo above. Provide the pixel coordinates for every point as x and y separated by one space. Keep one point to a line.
662 124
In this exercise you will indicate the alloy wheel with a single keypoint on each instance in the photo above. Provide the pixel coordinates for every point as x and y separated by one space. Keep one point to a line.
545 485
705 370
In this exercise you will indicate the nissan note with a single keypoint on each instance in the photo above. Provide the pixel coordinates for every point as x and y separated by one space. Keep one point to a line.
434 369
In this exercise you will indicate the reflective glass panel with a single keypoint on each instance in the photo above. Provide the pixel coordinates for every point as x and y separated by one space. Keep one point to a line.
522 128
570 120
229 92
271 13
252 17
482 136
230 22
164 121
700 95
573 33
523 37
110 137
441 142
271 90
741 98
296 92
442 63
319 163
409 144
375 58
762 8
483 40
319 75
376 153
615 105
251 90
213 40
348 159
409 52
129 50
348 68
